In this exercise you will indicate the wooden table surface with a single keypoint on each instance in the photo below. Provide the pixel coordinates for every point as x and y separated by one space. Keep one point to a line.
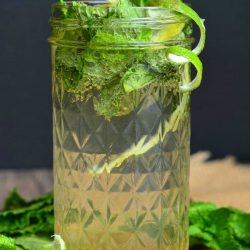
224 182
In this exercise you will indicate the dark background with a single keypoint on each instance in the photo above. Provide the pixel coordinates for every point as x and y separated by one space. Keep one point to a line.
220 107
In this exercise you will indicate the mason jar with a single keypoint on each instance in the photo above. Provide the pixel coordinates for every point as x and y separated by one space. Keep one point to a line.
121 127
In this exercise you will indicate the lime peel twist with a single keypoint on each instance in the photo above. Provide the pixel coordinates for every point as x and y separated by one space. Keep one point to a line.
182 55
177 54
179 6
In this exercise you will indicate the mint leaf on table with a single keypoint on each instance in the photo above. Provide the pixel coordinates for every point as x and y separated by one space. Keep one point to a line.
240 224
199 223
7 243
33 243
35 217
219 228
223 235
25 243
14 201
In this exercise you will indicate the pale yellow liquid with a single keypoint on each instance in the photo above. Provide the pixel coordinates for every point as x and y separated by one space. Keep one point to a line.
143 203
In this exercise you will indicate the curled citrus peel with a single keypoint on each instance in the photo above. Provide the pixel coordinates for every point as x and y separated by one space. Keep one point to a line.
182 55
184 9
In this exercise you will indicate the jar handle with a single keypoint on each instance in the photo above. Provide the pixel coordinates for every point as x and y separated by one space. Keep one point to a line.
184 9
182 55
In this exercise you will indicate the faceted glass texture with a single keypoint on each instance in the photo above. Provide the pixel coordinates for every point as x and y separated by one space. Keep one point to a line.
121 184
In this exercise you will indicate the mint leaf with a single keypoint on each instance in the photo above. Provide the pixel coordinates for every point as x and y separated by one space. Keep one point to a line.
240 224
199 228
33 243
36 217
7 243
138 76
223 235
219 229
113 101
14 201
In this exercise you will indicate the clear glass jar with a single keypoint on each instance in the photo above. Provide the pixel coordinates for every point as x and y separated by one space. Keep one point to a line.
121 127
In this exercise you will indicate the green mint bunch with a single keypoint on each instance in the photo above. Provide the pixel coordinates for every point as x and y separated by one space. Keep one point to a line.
27 225
7 243
22 218
219 228
108 76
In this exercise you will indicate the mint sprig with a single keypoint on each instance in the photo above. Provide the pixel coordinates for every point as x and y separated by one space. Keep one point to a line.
219 228
35 217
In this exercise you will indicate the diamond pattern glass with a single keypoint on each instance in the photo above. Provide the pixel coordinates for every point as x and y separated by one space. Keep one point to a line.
121 184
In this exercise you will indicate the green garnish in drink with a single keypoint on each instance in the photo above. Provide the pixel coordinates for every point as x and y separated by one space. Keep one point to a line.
121 72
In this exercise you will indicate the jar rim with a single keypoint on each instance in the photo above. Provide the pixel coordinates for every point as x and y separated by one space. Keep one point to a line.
157 18
135 17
